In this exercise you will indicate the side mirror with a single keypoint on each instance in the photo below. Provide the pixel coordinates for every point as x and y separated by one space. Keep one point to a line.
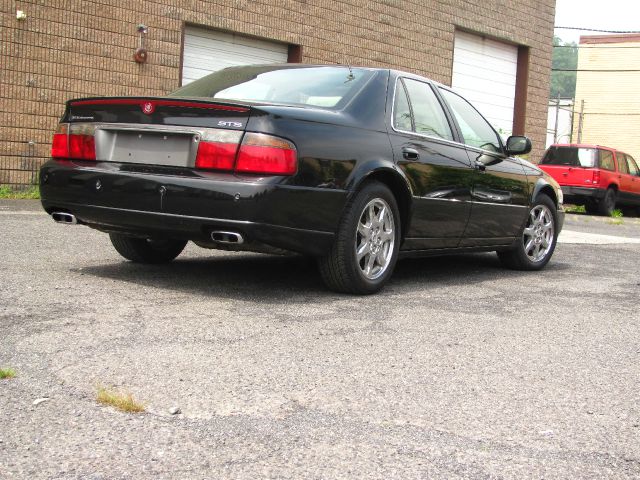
518 145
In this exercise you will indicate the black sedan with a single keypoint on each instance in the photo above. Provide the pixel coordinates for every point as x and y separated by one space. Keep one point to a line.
353 166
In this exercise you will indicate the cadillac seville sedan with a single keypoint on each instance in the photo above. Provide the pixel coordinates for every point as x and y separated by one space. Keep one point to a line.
353 166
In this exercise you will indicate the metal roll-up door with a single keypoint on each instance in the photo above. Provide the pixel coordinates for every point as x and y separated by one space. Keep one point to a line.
484 72
206 51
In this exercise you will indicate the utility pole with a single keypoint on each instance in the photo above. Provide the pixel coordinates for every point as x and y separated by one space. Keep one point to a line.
555 128
580 121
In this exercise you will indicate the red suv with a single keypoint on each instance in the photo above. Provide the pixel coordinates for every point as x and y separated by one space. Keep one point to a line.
597 177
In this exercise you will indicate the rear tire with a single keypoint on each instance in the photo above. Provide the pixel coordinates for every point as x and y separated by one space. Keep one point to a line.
147 250
538 240
607 205
365 249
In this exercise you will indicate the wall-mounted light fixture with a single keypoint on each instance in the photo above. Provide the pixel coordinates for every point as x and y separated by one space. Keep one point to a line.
20 15
141 55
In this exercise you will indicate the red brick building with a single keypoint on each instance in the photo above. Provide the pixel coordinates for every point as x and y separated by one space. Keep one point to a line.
497 53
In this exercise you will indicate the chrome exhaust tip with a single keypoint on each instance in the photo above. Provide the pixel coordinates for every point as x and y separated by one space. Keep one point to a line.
229 238
64 217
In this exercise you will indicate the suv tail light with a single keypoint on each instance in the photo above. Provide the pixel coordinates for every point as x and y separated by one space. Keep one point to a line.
260 153
74 140
596 177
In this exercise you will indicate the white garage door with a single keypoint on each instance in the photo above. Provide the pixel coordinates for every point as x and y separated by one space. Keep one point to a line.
207 51
484 72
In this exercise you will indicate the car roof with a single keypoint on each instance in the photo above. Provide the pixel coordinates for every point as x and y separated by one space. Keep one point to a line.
583 145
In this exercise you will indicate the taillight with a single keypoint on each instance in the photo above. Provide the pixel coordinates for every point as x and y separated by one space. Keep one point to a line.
217 150
75 140
60 145
265 154
596 177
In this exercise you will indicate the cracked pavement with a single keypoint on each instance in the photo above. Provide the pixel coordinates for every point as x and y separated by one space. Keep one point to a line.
458 369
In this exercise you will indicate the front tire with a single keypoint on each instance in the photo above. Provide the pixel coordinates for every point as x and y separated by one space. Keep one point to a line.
147 250
538 241
365 250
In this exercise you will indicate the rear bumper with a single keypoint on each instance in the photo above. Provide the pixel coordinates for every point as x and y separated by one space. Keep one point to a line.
189 205
581 194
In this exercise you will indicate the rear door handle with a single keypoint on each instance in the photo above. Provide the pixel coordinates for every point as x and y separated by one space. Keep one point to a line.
410 154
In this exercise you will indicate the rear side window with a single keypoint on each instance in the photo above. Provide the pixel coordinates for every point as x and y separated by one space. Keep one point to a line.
622 163
571 156
606 160
401 110
633 166
428 115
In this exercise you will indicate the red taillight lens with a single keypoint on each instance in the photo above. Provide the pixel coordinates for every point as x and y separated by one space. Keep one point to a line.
596 176
218 156
82 147
260 153
74 140
60 145
217 149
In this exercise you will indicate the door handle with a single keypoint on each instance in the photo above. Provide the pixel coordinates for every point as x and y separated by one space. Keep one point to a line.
410 154
480 166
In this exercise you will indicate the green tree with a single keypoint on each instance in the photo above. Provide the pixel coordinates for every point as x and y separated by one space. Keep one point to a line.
565 56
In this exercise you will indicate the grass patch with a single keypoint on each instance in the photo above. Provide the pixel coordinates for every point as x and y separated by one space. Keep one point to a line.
575 209
616 218
122 401
6 373
10 193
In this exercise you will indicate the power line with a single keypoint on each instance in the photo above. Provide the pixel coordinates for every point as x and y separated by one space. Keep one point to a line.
620 114
589 70
597 47
596 30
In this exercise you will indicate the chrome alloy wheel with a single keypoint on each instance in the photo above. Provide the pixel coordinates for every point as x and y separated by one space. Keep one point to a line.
539 233
375 239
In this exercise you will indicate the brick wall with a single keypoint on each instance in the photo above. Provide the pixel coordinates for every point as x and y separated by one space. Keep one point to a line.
74 48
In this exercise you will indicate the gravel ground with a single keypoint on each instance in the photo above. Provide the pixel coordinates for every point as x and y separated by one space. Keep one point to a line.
459 369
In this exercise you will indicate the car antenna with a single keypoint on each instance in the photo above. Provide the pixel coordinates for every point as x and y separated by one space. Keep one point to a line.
351 76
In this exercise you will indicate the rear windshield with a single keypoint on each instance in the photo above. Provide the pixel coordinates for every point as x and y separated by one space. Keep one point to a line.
329 87
571 156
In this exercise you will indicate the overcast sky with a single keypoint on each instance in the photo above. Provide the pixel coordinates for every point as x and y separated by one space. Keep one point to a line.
600 14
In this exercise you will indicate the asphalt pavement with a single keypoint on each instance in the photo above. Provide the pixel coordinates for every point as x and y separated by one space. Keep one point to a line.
458 369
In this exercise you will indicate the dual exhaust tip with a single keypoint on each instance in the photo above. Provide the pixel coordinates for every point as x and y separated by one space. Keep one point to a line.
218 236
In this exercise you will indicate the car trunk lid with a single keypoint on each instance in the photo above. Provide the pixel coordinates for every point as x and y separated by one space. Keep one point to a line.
157 131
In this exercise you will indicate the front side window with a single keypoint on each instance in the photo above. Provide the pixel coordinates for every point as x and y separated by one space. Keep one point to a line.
633 166
606 160
475 130
428 116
